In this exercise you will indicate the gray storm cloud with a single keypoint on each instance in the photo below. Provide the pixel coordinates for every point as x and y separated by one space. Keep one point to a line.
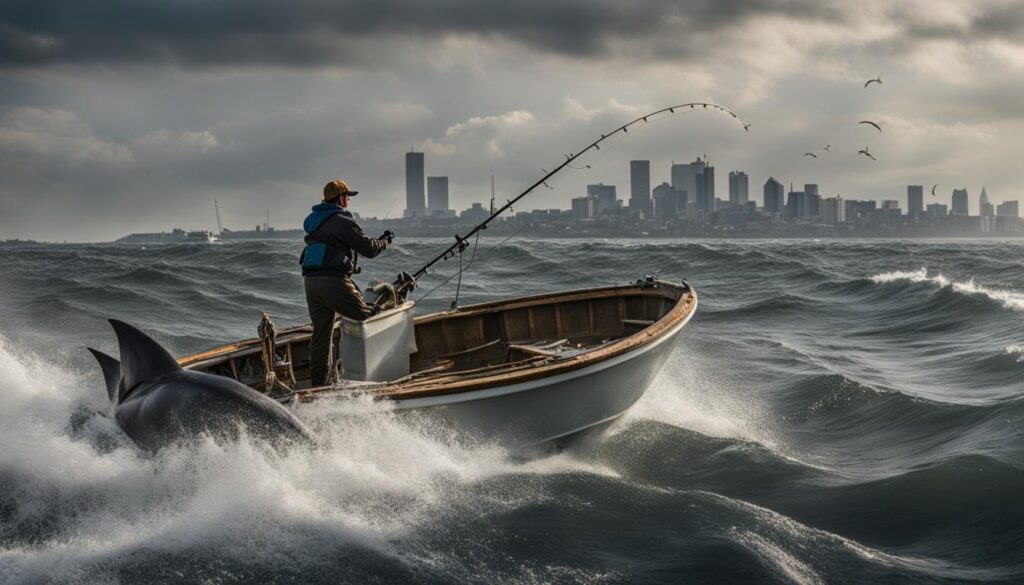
118 117
318 33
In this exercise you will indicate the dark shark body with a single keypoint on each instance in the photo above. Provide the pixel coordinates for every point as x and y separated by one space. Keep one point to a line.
157 402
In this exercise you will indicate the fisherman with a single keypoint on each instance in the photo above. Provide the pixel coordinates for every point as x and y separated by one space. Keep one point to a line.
334 242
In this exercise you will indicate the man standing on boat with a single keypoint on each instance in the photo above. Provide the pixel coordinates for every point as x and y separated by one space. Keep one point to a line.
334 242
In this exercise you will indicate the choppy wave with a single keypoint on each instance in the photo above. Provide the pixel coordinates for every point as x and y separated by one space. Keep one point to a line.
833 414
1008 298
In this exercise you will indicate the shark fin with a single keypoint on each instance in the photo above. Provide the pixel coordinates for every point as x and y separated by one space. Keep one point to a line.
142 358
111 372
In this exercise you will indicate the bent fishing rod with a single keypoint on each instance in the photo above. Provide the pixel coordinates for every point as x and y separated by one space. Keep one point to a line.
407 281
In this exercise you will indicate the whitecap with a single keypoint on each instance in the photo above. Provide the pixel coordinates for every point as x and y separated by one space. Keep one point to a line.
1009 299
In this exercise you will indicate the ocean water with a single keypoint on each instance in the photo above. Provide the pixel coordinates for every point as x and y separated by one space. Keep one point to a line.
837 412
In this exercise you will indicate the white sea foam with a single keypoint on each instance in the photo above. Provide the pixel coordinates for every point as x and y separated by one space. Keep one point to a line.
1016 351
1008 298
380 479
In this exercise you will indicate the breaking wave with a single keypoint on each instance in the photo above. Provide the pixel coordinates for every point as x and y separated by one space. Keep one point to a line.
1008 298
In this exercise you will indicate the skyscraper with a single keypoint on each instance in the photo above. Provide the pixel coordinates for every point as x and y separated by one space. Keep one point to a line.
738 188
414 199
640 186
583 207
684 180
960 202
774 195
604 196
832 210
813 200
796 204
666 202
437 195
915 200
706 190
985 208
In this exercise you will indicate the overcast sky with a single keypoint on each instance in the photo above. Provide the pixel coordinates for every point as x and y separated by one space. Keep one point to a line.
132 116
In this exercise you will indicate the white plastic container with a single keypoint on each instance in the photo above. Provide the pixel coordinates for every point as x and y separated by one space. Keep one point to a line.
378 349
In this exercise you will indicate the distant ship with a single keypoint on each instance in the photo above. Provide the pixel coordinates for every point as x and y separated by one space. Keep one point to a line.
175 236
201 236
262 234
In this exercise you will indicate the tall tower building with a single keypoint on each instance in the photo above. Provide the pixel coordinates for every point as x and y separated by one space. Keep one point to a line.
666 202
813 199
414 199
604 196
832 210
960 202
437 195
640 186
739 191
684 180
985 208
706 190
915 200
774 195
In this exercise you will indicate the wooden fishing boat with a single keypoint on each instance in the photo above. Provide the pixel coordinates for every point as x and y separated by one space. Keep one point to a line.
522 371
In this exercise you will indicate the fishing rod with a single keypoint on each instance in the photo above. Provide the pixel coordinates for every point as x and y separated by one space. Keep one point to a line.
407 281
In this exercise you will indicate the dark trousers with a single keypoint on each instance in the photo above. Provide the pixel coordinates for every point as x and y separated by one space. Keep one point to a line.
326 296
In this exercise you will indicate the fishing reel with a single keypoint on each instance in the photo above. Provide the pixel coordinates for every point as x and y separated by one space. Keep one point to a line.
390 295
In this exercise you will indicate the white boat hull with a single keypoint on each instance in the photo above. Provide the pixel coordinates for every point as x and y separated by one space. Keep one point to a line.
553 408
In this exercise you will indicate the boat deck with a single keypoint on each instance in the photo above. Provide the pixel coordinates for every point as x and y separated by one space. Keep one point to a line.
500 342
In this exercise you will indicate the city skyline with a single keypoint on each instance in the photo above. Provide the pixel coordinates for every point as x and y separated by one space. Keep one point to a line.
144 128
697 189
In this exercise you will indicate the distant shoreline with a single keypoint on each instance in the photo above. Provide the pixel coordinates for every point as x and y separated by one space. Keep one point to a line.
495 234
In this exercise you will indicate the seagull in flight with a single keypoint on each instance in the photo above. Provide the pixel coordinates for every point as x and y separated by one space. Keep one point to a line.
877 127
747 126
828 148
866 153
877 80
933 189
810 154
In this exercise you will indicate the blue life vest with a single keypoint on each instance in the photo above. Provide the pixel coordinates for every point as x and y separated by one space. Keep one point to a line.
317 255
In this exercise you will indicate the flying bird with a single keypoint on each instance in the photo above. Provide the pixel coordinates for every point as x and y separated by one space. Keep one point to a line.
747 126
810 154
933 189
866 153
877 127
828 148
875 80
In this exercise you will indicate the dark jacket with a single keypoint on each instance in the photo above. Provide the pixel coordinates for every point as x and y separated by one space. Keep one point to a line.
342 235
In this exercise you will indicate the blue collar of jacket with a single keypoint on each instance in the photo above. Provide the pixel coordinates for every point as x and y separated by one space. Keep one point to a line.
320 213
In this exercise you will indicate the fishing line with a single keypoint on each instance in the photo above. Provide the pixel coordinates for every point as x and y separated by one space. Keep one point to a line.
470 264
406 282
458 286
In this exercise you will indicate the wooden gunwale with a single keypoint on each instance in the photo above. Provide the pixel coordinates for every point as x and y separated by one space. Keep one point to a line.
452 384
457 382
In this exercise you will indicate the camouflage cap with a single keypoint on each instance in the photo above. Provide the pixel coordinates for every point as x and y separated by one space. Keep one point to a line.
336 189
